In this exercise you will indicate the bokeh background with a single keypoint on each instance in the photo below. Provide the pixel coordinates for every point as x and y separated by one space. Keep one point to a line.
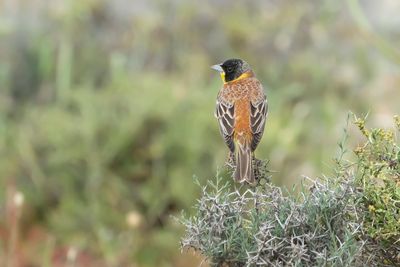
106 112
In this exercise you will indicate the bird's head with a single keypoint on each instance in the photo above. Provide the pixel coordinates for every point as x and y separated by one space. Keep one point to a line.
233 69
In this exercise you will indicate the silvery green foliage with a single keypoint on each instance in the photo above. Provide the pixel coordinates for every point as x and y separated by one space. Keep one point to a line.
262 226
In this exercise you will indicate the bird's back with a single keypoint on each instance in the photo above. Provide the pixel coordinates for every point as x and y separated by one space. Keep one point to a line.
240 94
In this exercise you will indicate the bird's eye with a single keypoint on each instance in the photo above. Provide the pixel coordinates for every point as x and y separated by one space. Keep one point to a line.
230 69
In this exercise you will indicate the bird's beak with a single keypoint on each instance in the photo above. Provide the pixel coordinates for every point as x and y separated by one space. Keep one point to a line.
221 71
218 68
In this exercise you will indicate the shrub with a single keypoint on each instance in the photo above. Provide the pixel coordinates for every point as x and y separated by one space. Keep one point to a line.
262 226
378 177
349 219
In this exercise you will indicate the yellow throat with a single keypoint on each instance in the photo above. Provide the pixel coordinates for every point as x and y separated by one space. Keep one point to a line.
222 76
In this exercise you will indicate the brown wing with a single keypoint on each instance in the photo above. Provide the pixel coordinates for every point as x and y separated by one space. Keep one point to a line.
224 112
259 111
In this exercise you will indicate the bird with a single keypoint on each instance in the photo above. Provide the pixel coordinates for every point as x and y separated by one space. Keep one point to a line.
241 111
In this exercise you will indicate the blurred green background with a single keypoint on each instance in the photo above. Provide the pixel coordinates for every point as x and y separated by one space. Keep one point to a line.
106 112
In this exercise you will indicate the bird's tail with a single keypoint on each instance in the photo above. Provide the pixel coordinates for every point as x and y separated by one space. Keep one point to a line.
244 166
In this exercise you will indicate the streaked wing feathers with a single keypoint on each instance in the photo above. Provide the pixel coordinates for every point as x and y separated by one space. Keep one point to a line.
224 112
258 116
